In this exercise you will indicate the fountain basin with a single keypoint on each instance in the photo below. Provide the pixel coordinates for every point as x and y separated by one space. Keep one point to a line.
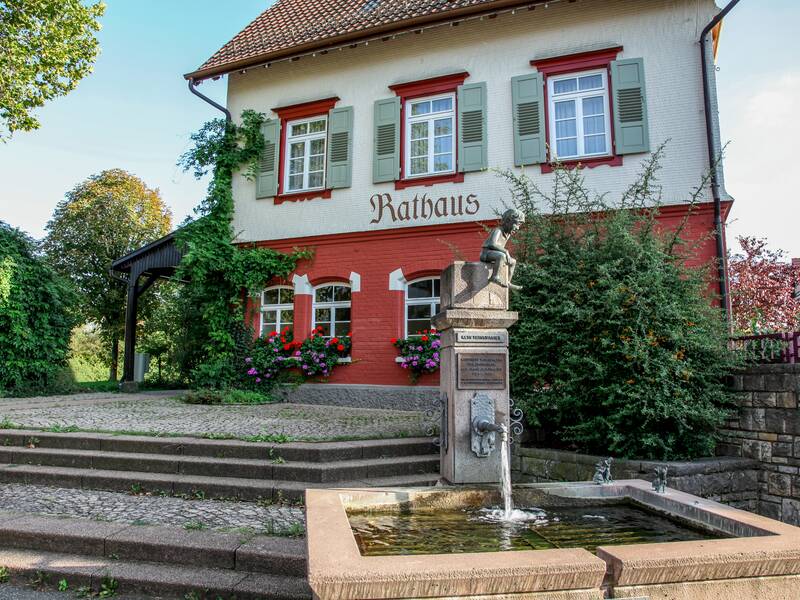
730 554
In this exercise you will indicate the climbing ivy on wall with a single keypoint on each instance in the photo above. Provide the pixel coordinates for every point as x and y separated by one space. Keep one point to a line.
219 274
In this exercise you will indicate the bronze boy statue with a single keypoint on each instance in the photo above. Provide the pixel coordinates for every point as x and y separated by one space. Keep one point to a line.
494 250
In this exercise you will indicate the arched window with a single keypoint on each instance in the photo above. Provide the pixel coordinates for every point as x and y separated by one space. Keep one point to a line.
422 302
277 309
332 309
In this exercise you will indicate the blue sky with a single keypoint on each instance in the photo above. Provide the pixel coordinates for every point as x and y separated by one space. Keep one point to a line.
134 112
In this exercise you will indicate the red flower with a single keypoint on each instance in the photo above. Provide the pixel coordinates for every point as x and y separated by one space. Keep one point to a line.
424 338
340 347
283 339
285 329
319 327
273 334
287 346
393 340
334 340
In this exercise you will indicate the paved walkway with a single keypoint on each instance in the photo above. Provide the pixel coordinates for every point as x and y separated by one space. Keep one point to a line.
161 413
152 510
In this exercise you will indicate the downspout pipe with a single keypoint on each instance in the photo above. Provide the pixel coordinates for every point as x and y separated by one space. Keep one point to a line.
193 89
712 160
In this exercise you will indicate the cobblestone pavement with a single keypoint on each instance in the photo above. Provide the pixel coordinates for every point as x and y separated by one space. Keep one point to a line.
150 510
163 413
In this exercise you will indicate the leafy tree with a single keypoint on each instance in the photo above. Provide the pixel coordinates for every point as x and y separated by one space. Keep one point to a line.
764 289
618 349
88 359
46 48
163 335
100 220
36 316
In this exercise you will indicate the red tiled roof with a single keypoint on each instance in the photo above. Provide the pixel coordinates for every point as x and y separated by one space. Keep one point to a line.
295 25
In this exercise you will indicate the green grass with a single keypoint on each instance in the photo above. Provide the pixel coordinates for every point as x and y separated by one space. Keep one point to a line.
231 396
96 386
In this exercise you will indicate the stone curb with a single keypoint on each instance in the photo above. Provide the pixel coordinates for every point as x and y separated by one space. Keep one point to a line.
151 579
154 543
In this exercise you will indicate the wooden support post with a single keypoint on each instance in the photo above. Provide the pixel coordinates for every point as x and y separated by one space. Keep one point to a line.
131 309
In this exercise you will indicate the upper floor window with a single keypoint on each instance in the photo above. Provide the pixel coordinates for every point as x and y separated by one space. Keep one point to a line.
277 309
579 115
429 127
422 303
332 309
305 154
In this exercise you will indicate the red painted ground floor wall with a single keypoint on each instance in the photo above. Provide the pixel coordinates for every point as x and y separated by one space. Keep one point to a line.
370 262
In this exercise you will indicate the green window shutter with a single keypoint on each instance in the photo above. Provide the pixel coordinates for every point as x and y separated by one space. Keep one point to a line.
267 178
527 97
340 147
386 141
630 106
472 130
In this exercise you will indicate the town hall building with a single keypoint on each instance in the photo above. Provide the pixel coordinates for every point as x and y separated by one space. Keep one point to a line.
386 120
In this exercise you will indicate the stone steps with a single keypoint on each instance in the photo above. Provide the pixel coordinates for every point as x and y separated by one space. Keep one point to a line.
242 468
234 449
154 560
191 485
211 468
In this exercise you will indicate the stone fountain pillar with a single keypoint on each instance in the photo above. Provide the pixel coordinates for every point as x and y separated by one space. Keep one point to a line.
473 371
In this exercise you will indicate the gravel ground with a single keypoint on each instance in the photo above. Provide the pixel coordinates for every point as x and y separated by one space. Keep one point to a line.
150 510
163 413
13 592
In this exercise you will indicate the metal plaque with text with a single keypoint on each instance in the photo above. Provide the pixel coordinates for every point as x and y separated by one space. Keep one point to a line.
498 338
481 371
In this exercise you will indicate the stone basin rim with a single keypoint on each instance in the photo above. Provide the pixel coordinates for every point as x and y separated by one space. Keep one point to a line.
761 547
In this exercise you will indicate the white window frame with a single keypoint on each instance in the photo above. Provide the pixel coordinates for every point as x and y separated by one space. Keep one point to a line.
280 308
578 97
430 118
307 139
334 305
430 301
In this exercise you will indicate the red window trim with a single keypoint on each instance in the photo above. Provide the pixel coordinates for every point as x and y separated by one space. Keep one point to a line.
573 63
290 113
417 89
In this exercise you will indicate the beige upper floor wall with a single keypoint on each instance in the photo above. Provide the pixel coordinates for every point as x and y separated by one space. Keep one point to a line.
664 33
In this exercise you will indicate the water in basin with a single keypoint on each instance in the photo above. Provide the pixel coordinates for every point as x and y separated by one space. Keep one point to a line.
429 531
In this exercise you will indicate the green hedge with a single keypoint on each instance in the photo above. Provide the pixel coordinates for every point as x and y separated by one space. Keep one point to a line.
36 318
618 349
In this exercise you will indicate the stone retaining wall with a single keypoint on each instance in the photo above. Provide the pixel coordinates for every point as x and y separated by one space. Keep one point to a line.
731 480
767 429
390 397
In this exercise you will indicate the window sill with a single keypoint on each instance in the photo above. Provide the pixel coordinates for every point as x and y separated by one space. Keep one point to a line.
587 163
429 181
301 196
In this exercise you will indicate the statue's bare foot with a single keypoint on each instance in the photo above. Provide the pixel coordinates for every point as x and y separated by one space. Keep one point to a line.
498 281
514 286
